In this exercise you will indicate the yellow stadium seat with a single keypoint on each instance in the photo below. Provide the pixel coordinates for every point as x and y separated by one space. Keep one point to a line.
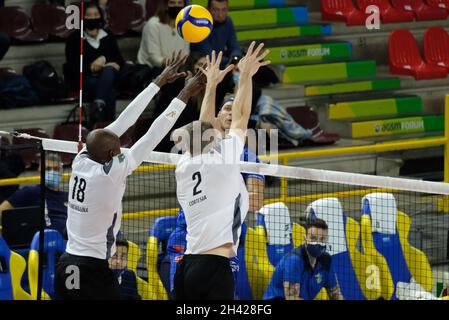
360 261
385 279
298 235
258 266
17 266
155 289
416 260
33 267
134 254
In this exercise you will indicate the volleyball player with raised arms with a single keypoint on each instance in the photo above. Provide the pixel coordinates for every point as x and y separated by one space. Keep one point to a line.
212 193
97 186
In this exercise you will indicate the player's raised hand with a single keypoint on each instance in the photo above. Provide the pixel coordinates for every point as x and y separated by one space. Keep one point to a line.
171 72
193 86
212 71
253 60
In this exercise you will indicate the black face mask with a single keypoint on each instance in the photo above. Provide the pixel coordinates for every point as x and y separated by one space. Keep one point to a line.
173 12
92 24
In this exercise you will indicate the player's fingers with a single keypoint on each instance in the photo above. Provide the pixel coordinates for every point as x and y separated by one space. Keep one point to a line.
208 62
202 70
250 48
259 47
265 63
228 69
214 57
220 56
263 55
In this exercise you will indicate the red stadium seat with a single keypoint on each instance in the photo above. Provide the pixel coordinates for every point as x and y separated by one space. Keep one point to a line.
439 4
15 22
388 13
50 19
341 10
421 10
405 58
120 16
138 18
69 132
126 140
30 156
436 47
151 7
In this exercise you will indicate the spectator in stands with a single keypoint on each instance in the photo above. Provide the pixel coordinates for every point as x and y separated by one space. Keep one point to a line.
4 44
223 36
126 278
56 199
302 273
160 37
102 61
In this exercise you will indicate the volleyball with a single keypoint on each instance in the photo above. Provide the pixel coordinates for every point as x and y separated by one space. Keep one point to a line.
194 23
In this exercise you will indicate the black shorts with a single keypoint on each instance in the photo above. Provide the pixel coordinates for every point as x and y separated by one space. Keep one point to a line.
85 278
203 277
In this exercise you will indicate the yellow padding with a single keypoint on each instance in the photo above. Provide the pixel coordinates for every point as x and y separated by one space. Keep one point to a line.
298 235
415 259
361 262
17 265
155 289
33 269
385 280
258 265
134 254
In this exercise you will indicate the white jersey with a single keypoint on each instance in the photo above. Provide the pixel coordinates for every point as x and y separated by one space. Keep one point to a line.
95 204
213 195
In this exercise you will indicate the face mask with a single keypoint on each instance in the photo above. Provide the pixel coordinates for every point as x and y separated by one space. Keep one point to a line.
173 12
52 179
92 24
235 77
315 249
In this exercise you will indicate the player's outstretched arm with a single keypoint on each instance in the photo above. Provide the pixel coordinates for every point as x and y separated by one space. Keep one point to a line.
248 66
163 124
214 77
130 115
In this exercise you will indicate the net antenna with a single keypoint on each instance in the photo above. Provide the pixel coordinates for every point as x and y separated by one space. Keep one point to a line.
80 125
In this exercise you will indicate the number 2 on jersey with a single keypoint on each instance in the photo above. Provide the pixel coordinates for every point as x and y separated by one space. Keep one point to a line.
81 188
196 175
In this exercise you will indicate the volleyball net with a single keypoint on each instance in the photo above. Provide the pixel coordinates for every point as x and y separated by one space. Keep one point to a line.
387 237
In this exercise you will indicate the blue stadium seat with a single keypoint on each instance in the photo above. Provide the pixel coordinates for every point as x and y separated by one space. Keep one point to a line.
349 263
388 227
12 267
54 246
161 229
275 218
